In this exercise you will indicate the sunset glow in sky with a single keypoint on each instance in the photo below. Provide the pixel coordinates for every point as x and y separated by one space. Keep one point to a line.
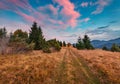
64 19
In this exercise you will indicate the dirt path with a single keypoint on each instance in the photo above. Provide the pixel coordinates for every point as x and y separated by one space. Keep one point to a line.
84 74
72 70
61 76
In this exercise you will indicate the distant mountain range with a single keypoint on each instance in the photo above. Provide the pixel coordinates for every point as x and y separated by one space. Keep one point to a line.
108 44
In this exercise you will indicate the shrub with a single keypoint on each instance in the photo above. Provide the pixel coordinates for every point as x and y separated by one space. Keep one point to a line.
30 46
115 47
74 45
105 48
55 44
57 47
46 49
18 42
69 44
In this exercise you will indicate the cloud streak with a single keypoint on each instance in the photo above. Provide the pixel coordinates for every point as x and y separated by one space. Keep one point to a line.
112 22
84 4
103 27
84 20
72 35
48 8
101 4
103 33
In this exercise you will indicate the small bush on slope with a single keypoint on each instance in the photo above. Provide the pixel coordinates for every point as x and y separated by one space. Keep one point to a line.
115 47
54 43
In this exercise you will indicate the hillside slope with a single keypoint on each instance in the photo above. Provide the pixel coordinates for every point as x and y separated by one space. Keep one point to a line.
69 66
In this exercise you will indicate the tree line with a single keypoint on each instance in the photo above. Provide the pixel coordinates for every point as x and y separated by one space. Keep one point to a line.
85 43
20 41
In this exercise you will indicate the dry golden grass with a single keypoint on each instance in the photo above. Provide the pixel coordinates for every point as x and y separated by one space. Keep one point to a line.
105 64
35 67
61 67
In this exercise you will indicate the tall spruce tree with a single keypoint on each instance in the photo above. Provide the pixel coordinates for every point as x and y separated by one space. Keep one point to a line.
61 43
87 42
80 44
3 32
64 44
36 37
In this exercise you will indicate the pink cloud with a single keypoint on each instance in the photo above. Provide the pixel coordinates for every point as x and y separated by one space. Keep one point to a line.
26 17
68 11
52 8
49 7
20 3
2 6
56 21
84 4
17 5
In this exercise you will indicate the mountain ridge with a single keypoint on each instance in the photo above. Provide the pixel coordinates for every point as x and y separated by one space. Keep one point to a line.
108 44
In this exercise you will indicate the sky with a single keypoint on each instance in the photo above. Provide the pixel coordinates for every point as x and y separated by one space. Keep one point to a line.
64 20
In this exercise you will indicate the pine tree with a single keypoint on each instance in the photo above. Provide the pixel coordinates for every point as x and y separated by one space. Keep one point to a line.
36 36
60 43
3 32
80 44
87 42
64 44
57 46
